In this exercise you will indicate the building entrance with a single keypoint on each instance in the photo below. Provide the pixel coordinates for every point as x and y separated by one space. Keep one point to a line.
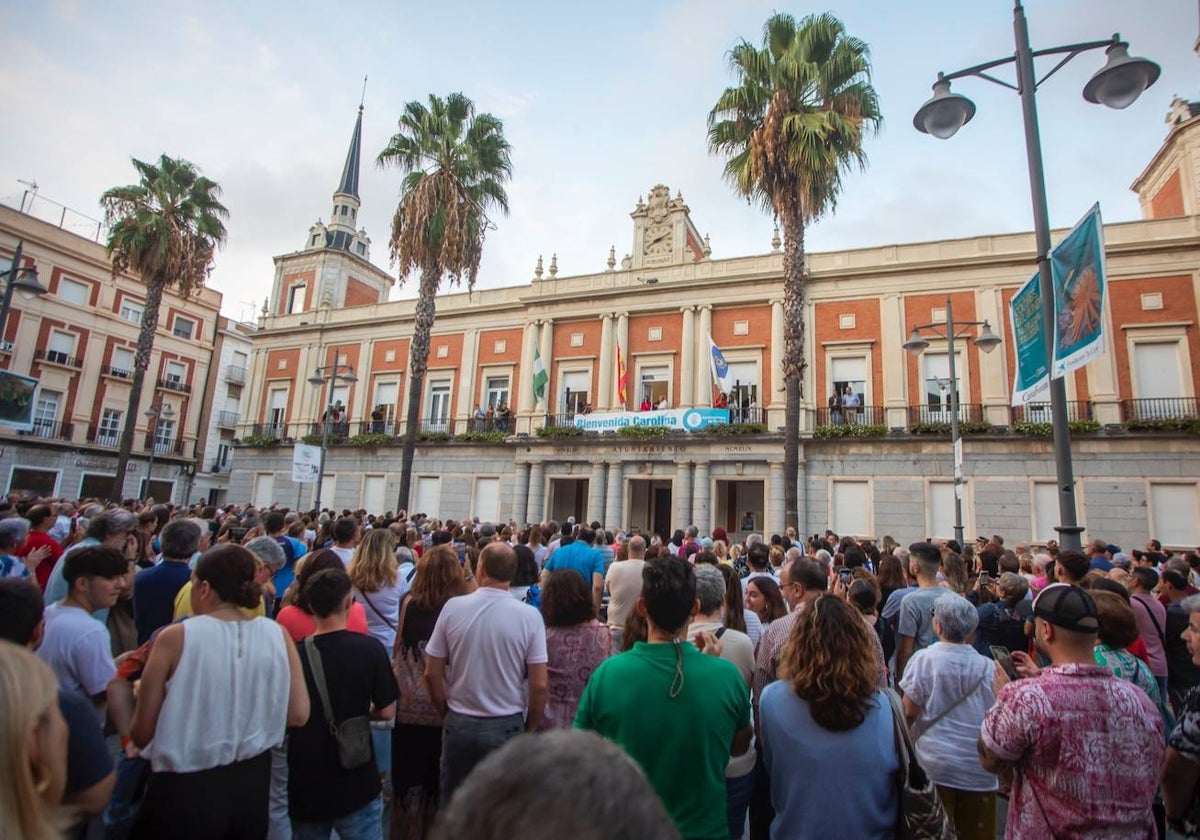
740 507
650 507
568 497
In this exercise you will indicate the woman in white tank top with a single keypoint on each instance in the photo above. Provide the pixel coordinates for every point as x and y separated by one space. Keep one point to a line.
210 708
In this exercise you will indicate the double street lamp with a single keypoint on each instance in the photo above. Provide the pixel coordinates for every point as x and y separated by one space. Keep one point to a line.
987 341
327 375
1117 84
17 278
156 412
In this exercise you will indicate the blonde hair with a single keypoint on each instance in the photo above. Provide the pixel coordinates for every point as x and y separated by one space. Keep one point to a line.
28 693
374 565
720 549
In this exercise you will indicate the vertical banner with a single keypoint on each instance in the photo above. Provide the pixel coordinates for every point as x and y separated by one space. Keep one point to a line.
622 379
1030 381
16 401
720 368
306 463
1077 266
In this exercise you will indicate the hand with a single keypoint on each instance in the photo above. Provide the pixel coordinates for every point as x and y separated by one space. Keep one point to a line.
999 679
1025 665
34 558
708 643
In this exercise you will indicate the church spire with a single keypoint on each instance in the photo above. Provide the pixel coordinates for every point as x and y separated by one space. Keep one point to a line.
349 183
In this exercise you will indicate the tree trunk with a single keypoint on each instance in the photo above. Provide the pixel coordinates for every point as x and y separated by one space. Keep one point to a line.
418 361
141 361
795 288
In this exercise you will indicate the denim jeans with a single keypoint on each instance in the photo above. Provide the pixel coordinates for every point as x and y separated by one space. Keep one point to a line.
364 824
131 779
279 826
737 802
467 740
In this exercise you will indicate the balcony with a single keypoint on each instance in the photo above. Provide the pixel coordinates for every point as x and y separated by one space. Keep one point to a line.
1159 409
170 383
220 468
116 372
110 438
173 446
1077 410
235 375
56 430
938 415
227 419
436 426
57 357
745 416
859 415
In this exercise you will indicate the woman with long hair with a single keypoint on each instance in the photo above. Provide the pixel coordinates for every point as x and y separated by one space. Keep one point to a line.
536 541
735 612
954 570
297 617
417 737
33 747
890 577
827 731
764 599
576 643
216 694
377 585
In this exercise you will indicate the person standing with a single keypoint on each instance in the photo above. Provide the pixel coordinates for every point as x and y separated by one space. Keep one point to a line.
349 676
679 713
1151 619
486 654
154 589
1183 672
576 643
624 583
583 558
346 535
914 629
41 520
1045 733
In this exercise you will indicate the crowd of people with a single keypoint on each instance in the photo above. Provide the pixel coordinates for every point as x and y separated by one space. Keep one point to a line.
200 673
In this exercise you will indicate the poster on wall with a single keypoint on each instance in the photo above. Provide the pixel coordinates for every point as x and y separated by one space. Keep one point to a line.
17 401
1077 266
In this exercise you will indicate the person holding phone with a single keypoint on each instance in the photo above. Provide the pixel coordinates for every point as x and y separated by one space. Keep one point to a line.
1002 621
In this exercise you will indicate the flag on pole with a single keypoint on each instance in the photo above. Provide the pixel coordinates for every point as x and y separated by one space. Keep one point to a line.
539 375
720 368
622 379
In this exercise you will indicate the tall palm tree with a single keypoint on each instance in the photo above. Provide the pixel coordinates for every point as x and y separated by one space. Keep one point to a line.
165 230
790 127
455 163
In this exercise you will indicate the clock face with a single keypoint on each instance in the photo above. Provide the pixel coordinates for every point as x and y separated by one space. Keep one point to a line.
658 239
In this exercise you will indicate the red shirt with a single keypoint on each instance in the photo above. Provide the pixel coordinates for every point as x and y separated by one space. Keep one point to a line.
37 539
300 625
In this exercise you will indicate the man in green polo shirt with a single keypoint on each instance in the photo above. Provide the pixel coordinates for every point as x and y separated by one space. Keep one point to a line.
680 713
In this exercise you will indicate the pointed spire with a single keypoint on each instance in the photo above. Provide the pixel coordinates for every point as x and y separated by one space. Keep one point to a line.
349 183
775 241
554 265
612 258
537 272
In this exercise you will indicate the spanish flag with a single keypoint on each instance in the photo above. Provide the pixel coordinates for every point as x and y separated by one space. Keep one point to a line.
622 379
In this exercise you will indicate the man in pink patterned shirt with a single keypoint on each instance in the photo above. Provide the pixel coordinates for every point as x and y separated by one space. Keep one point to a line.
1083 748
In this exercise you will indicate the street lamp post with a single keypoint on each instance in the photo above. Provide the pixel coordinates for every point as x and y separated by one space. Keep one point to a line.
987 341
327 375
153 413
1117 84
18 278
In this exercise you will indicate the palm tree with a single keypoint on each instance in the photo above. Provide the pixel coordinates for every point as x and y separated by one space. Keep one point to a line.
164 229
455 163
790 128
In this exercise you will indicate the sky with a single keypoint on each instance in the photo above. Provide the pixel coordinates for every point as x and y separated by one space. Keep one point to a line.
600 101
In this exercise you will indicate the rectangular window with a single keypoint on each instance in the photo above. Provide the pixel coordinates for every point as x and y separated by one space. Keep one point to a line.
164 435
35 481
940 518
264 489
95 485
429 495
1045 510
848 373
851 508
1175 513
575 391
654 386
60 348
497 391
72 291
1159 385
122 362
45 412
277 410
387 394
339 395
743 390
487 499
938 385
132 311
109 433
360 248
439 405
223 452
295 301
183 327
175 373
374 496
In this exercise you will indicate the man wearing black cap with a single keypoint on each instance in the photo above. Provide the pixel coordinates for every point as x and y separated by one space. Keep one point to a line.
1073 736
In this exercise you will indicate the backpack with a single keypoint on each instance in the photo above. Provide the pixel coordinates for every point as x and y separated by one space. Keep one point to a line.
533 596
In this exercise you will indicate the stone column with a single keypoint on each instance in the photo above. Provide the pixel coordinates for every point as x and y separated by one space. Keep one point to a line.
681 494
595 508
551 403
993 379
809 398
895 361
776 511
687 359
623 343
607 362
777 396
614 513
523 381
521 494
1101 379
701 497
467 375
703 372
537 492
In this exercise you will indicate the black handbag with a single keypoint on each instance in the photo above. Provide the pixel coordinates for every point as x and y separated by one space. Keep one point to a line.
353 735
922 816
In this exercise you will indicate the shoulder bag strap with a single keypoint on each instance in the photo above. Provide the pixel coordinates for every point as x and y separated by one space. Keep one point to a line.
314 662
903 737
375 610
951 707
1157 627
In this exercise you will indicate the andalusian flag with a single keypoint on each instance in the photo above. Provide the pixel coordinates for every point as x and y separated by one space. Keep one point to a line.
539 375
622 379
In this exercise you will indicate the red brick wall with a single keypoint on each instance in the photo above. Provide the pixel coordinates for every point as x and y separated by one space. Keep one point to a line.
918 309
828 329
1168 201
359 293
1125 302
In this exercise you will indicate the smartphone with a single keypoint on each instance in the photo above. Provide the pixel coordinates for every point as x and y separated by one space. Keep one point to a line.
1001 655
844 575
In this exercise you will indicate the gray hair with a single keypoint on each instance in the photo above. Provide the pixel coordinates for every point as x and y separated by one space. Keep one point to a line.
956 616
1014 586
13 531
792 553
823 556
710 588
753 539
180 538
901 554
268 551
1041 561
1190 604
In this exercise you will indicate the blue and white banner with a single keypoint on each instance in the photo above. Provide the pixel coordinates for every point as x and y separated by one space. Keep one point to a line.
683 419
306 463
1077 266
716 360
1030 382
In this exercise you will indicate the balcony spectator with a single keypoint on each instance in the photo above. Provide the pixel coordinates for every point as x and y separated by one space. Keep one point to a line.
480 418
503 414
377 417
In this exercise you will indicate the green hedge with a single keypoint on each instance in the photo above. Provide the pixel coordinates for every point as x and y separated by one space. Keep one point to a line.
1187 425
964 428
1077 427
481 437
559 432
643 432
858 430
260 440
734 429
369 439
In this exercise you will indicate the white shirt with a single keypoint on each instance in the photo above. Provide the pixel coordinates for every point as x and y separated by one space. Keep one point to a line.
227 700
737 648
487 638
347 554
77 648
383 611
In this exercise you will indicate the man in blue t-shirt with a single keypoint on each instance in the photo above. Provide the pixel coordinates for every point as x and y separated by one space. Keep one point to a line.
275 524
583 558
154 589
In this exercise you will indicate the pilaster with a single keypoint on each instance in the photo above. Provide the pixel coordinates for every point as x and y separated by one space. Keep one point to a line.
687 362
